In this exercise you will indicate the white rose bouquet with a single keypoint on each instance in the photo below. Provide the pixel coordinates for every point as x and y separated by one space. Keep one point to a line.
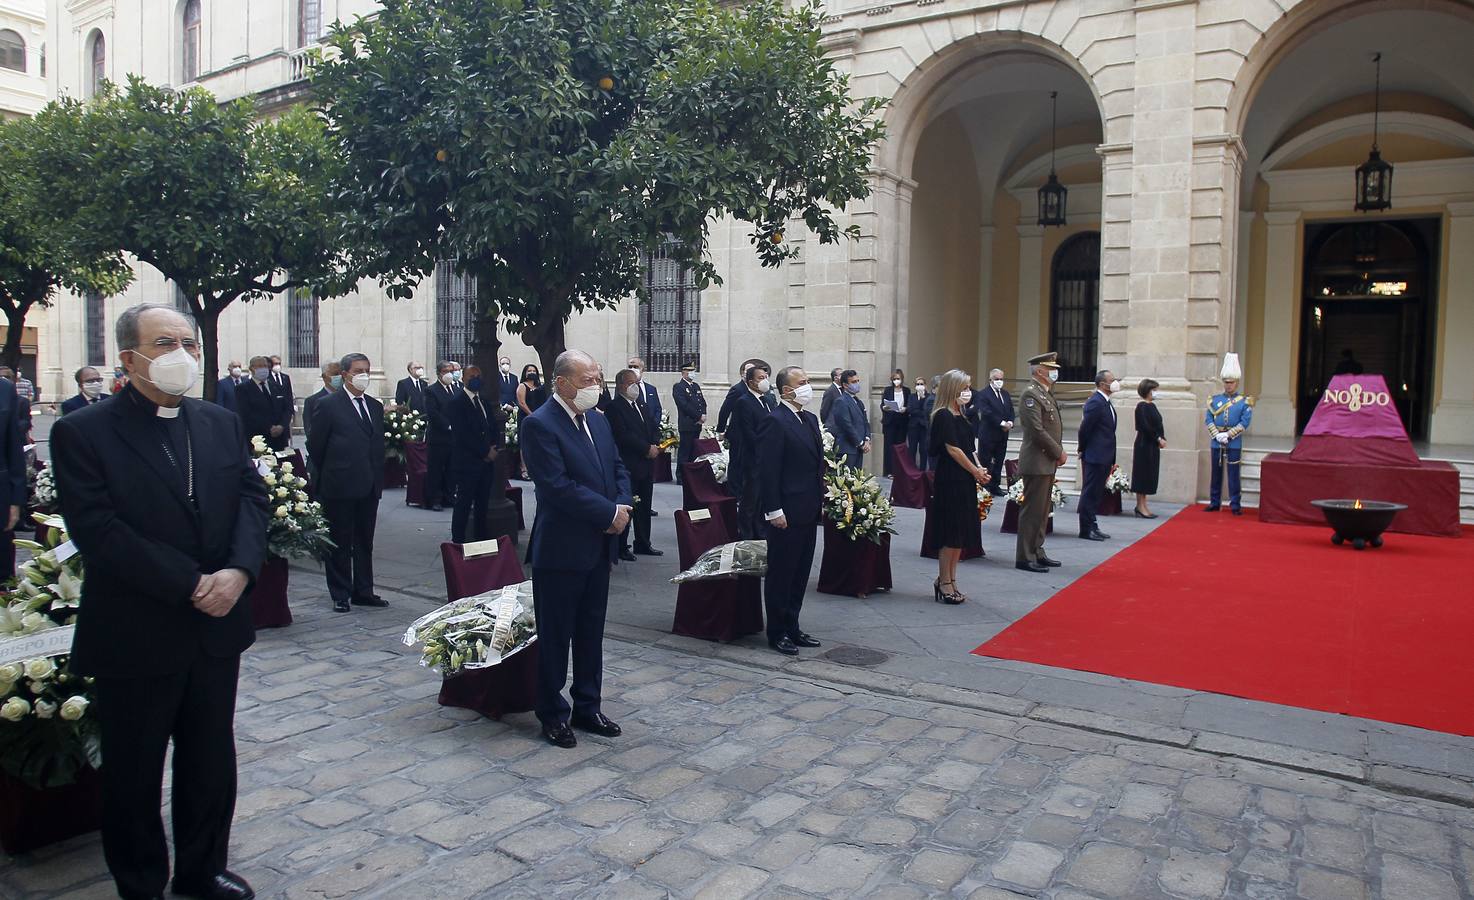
46 733
669 437
475 632
718 462
1118 481
296 528
402 425
1056 499
43 487
511 414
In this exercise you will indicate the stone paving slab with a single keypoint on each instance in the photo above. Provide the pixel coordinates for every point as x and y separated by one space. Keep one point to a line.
735 780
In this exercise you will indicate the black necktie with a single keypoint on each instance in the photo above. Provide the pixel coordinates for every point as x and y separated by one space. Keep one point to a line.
583 427
363 410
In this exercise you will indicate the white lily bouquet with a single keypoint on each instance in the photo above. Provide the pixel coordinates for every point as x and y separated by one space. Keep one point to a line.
296 527
1056 499
855 503
728 561
402 425
46 735
718 462
510 413
43 487
475 632
1118 481
669 437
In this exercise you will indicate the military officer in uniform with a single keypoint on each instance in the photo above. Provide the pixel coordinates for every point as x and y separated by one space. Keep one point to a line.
1227 418
1039 456
690 415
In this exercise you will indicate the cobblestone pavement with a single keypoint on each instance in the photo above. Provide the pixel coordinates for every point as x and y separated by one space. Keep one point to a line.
735 781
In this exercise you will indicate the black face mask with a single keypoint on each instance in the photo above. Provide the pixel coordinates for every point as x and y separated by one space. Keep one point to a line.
534 380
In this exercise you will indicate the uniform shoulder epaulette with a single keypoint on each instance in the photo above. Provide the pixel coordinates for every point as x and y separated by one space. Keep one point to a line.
1249 400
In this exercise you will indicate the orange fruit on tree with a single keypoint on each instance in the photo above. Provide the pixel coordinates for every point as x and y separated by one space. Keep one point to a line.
606 83
777 237
441 156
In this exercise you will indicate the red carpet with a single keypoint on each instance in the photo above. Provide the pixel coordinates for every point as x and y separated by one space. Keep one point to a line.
1276 613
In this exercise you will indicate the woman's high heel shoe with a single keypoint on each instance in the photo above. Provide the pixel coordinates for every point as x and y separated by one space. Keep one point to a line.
1142 515
936 588
952 597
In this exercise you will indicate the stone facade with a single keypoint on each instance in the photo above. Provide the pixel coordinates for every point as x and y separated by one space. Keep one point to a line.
23 90
1198 139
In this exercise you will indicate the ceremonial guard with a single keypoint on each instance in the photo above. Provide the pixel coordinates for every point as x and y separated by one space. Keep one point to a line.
1227 418
690 415
1040 455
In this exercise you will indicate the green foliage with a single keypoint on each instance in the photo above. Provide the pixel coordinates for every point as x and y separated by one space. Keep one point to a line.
223 203
545 143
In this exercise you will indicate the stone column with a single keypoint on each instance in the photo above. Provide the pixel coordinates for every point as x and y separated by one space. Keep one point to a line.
985 305
1274 411
1453 416
1030 273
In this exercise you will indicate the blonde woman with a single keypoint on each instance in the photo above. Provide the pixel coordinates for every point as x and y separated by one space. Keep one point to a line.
954 502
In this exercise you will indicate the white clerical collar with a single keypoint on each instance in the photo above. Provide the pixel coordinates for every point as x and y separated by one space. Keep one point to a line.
168 412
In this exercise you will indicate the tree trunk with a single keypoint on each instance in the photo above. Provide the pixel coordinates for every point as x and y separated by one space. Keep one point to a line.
207 315
501 515
15 321
548 344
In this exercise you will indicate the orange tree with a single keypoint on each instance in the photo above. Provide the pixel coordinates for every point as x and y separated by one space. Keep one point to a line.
542 144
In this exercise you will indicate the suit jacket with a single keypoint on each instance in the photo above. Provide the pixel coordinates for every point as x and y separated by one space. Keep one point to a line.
507 395
634 432
897 420
791 466
652 401
831 393
283 384
578 484
1039 423
690 405
348 450
989 412
1097 439
15 425
847 421
438 399
411 392
225 393
724 414
258 411
473 432
309 407
918 410
146 544
79 401
747 412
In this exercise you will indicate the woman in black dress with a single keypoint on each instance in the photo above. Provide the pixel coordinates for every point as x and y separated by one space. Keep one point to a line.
530 395
954 501
1146 455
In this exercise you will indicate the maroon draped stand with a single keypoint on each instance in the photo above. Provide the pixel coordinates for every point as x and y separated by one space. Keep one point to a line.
511 686
1010 519
1110 504
661 468
854 568
1355 447
701 490
416 463
394 475
909 485
715 609
707 445
269 607
973 550
32 818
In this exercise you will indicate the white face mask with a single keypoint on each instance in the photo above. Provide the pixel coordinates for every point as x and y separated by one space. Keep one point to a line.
997 384
276 367
920 389
896 382
260 374
447 377
633 392
965 397
361 382
235 371
639 373
506 368
1151 395
803 395
762 386
587 398
92 388
456 375
173 373
1115 386
419 372
1053 375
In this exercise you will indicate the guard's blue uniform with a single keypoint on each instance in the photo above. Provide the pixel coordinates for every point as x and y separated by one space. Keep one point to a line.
1227 414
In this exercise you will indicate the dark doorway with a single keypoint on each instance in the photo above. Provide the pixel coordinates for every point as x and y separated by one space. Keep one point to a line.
1369 307
1074 306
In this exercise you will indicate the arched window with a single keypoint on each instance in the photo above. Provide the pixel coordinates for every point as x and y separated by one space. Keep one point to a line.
191 48
1074 306
309 21
12 51
98 71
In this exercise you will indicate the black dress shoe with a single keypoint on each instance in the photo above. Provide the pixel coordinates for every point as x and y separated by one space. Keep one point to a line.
1238 512
1092 536
560 735
371 600
437 508
654 512
804 640
1049 563
598 723
1027 566
1210 509
784 646
648 550
225 886
341 606
626 555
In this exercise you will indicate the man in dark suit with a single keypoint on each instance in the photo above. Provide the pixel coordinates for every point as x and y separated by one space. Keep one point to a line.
994 416
735 393
918 424
847 421
742 467
332 380
347 440
225 387
22 403
583 505
165 505
261 408
638 438
648 394
440 437
690 415
833 392
286 399
479 432
1097 449
14 435
89 390
791 470
506 383
411 388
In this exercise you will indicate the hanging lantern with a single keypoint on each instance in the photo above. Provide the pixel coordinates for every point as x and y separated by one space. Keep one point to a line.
1052 195
1374 177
